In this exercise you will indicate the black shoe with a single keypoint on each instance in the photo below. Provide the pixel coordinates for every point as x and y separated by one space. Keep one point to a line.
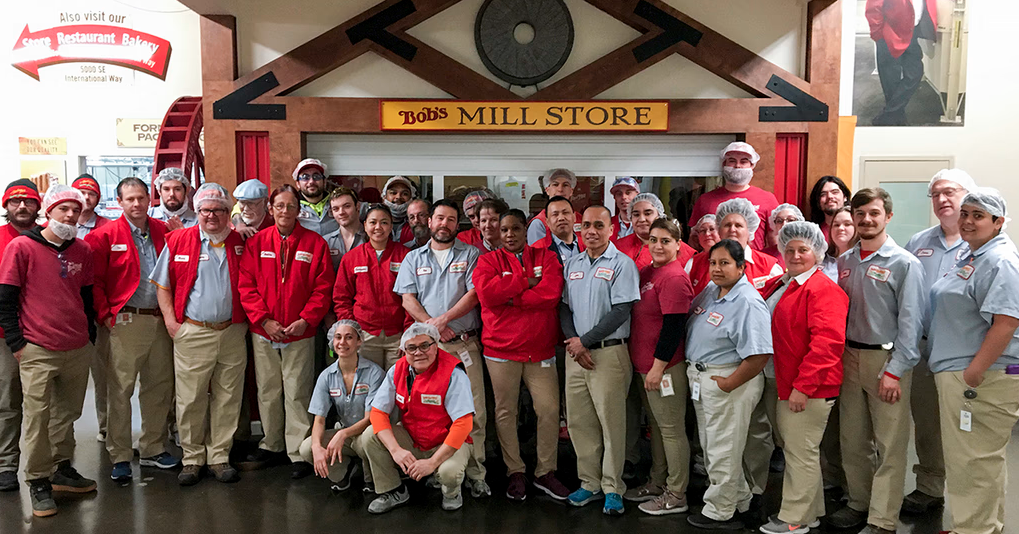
777 464
299 470
700 520
41 493
847 517
67 479
261 459
629 471
919 502
755 515
9 481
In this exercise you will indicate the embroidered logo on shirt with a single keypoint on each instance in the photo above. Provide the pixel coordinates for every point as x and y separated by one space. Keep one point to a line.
604 273
965 272
361 389
877 273
715 318
647 287
238 249
360 269
267 254
577 275
118 248
303 255
924 253
335 392
844 274
394 267
576 227
424 270
334 252
182 258
760 281
203 257
698 310
458 267
433 400
537 271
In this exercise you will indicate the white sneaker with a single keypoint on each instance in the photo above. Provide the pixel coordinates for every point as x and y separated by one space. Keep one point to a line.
389 500
479 488
450 504
101 438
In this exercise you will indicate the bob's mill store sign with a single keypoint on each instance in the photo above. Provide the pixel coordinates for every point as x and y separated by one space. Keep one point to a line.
465 115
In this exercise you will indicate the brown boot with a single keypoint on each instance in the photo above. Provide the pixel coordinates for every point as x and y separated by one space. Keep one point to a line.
225 473
190 475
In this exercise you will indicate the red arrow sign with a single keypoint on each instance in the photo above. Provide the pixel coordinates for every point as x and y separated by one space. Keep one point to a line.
91 43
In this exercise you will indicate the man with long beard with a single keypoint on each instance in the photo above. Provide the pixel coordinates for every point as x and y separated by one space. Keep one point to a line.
172 187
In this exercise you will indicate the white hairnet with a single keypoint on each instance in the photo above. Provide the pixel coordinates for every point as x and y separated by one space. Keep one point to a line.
742 207
210 193
58 193
648 197
958 176
705 218
985 198
171 174
786 207
807 232
556 173
344 322
416 330
745 148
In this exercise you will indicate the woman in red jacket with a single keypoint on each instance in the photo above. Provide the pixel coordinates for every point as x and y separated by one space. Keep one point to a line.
808 333
737 219
364 289
284 282
519 288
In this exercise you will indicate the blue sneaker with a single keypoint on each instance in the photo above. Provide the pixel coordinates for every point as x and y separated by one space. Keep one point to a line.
582 497
162 460
121 472
613 504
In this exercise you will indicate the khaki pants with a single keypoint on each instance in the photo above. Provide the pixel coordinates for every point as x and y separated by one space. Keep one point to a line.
53 386
99 366
668 431
205 359
542 382
351 448
868 422
10 409
382 350
285 379
596 414
760 444
723 420
140 351
386 474
476 373
976 467
923 403
802 487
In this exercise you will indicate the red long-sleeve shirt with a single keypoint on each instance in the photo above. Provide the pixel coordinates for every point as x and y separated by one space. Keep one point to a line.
633 247
894 21
364 289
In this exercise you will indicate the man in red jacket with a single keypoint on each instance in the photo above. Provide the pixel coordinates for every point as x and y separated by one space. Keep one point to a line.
21 202
197 275
896 27
285 285
124 253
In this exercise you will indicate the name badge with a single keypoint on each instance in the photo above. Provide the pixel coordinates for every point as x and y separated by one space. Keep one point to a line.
182 258
458 267
125 318
267 254
698 310
965 272
577 275
666 386
335 392
465 357
203 257
431 400
334 252
715 318
422 271
303 255
576 227
537 271
399 398
924 253
360 269
238 250
361 389
118 248
844 274
604 273
877 273
965 420
760 281
695 391
394 267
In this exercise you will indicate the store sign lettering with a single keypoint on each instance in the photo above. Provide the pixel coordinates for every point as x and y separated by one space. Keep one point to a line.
431 115
91 43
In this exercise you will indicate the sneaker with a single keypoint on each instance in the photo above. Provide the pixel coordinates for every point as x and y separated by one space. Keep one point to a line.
260 459
369 487
41 493
67 479
344 483
516 489
299 470
919 502
781 527
582 497
871 529
455 502
629 470
666 503
225 473
163 460
847 517
190 475
479 488
700 520
121 472
432 483
644 493
8 481
613 504
552 487
389 500
101 437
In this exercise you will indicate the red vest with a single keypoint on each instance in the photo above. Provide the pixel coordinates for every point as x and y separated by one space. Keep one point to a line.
184 247
424 411
117 269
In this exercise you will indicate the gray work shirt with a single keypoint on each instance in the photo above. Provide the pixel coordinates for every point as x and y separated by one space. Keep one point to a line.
440 287
320 224
564 250
337 248
189 217
145 296
458 401
351 406
935 254
830 267
963 305
535 231
592 288
211 299
85 229
886 301
728 330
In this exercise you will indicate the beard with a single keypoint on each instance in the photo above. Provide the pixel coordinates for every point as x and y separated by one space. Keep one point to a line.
736 176
421 232
450 236
65 232
171 208
22 217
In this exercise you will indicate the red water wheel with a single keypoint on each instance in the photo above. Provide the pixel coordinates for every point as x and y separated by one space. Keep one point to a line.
177 145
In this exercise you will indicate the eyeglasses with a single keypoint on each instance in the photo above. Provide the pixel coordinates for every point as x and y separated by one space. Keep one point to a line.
205 212
285 207
950 192
317 177
411 349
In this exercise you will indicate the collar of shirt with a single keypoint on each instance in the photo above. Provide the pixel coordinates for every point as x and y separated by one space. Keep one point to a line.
560 243
208 240
995 242
886 250
802 277
736 290
944 242
609 253
91 223
335 368
319 206
135 230
748 254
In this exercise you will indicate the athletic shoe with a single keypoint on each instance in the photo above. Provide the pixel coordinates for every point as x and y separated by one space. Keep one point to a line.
41 492
781 527
582 497
552 487
919 502
389 500
871 529
613 504
516 490
666 503
67 479
163 460
121 472
847 517
479 488
299 470
8 480
644 493
101 437
700 520
455 502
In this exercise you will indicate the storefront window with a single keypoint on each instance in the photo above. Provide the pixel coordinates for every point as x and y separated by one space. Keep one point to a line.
525 193
369 188
109 171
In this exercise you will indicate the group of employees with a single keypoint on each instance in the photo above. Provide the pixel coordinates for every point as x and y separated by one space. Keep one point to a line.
821 338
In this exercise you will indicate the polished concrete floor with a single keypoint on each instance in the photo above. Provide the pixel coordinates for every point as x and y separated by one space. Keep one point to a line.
268 501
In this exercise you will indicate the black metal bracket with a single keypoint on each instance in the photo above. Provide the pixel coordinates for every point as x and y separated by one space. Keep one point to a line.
805 108
374 29
237 105
674 32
